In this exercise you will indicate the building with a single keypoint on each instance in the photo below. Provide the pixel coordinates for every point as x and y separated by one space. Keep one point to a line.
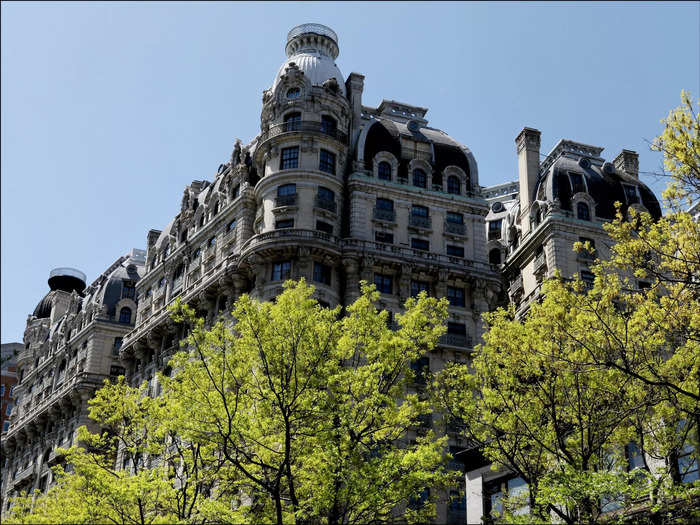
71 345
338 192
8 381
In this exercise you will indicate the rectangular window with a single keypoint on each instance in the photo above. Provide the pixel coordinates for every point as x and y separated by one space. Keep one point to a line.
418 287
631 194
236 191
587 278
326 162
454 217
284 223
384 283
577 184
385 204
5 428
322 273
384 237
455 251
420 244
231 225
117 345
324 227
419 211
128 291
456 329
12 392
2 391
455 296
8 410
281 270
494 230
290 158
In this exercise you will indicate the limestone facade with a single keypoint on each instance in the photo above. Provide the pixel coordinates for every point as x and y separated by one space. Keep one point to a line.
338 192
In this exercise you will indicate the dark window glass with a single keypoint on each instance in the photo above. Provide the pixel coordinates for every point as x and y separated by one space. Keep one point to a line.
384 237
454 186
419 178
115 370
324 227
643 285
582 211
455 251
286 189
384 283
197 253
325 194
384 170
454 217
216 208
290 158
294 92
212 241
420 367
456 329
292 121
328 125
420 244
231 225
455 296
419 211
161 282
201 221
577 184
587 278
495 256
385 204
236 191
419 286
284 223
322 273
118 343
149 292
631 194
281 270
129 291
166 251
494 229
183 236
125 315
326 162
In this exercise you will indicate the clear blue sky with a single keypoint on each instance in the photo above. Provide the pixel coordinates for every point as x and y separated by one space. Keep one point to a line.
110 109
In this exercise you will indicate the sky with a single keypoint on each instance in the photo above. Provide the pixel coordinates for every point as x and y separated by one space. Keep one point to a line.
109 110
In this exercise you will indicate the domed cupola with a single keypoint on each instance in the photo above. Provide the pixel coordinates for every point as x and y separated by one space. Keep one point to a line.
312 49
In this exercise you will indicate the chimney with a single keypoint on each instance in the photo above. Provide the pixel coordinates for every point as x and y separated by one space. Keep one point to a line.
528 145
628 161
354 86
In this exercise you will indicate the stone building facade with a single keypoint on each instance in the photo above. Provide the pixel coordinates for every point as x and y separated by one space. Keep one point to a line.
339 192
8 380
71 345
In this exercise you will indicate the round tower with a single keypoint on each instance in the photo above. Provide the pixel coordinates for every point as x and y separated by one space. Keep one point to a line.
301 155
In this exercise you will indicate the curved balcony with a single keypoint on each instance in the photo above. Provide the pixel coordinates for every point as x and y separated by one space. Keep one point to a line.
304 126
289 237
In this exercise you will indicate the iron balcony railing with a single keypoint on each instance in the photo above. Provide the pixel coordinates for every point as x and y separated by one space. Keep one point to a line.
540 261
459 340
516 286
419 221
384 215
455 227
304 126
326 204
286 200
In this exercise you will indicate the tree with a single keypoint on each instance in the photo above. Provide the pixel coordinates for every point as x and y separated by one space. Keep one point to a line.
291 413
309 411
557 396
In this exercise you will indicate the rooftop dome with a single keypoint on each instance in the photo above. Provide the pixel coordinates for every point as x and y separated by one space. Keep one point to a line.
313 48
60 279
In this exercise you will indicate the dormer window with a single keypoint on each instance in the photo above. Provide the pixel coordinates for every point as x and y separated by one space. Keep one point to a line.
454 186
631 194
577 182
420 179
384 170
293 93
583 212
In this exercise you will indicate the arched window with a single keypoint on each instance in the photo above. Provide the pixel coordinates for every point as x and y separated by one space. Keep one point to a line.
201 221
216 208
294 92
495 256
384 170
454 186
420 179
125 315
582 211
292 121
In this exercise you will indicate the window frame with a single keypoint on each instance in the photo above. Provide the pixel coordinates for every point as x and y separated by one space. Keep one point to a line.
289 158
327 161
281 270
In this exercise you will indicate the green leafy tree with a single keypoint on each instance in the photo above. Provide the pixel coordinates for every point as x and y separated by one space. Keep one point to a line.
309 411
